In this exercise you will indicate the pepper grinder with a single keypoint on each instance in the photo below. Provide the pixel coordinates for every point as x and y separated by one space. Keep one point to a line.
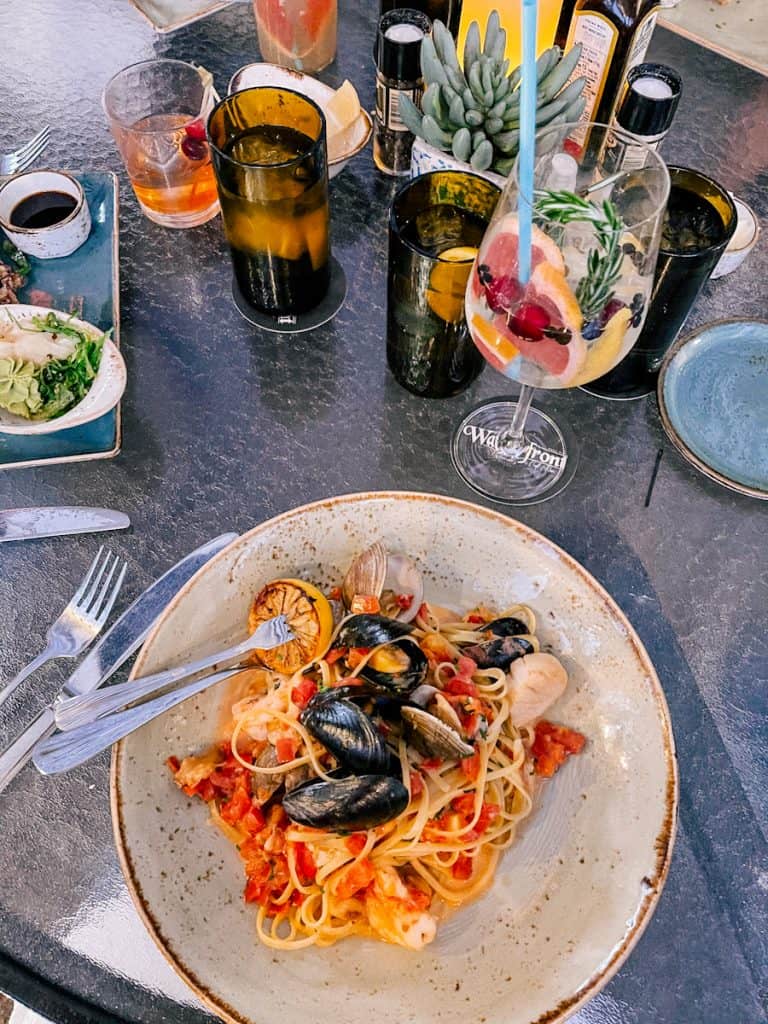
398 72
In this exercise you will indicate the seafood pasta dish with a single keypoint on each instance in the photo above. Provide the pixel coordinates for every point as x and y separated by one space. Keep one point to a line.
374 768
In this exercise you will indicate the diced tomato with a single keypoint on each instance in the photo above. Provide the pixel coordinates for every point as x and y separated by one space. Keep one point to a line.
552 745
303 692
404 601
476 619
417 785
237 805
205 790
488 813
365 604
253 891
464 804
470 723
431 763
174 764
305 863
253 820
356 842
285 749
423 611
356 655
336 654
470 767
223 779
335 594
460 687
465 668
297 898
358 876
462 869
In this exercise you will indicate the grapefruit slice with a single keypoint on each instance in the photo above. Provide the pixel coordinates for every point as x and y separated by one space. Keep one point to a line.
548 291
501 255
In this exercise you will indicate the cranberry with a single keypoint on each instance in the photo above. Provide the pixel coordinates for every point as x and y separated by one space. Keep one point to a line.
529 321
193 149
610 310
196 130
502 293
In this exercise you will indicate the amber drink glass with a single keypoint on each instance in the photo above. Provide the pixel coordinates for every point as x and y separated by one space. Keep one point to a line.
269 155
157 111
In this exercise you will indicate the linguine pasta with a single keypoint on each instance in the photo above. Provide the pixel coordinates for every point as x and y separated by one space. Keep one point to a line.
392 881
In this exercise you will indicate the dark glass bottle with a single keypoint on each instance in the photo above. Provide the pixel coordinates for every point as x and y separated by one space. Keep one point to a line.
614 35
448 11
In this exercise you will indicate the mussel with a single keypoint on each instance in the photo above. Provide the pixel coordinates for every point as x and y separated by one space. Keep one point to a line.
346 732
508 625
347 805
399 666
433 737
499 652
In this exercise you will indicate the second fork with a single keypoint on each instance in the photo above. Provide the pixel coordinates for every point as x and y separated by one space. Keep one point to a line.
83 618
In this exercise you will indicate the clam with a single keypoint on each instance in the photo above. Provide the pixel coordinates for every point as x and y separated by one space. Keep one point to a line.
433 737
347 805
264 785
348 733
377 573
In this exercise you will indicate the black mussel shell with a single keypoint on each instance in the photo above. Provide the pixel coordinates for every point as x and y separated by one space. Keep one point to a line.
370 631
348 691
348 733
499 652
508 625
357 802
407 679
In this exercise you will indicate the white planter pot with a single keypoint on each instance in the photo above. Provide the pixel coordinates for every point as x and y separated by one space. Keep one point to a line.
425 158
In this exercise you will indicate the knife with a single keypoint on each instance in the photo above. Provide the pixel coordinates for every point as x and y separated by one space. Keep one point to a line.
27 523
117 644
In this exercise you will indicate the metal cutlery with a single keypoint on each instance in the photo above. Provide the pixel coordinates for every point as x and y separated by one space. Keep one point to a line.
29 523
115 646
19 159
66 750
82 619
78 711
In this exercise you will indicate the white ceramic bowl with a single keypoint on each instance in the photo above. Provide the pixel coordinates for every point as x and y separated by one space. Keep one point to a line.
106 391
352 141
570 898
56 240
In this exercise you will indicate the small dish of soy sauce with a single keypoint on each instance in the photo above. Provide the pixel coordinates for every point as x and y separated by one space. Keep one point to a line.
44 213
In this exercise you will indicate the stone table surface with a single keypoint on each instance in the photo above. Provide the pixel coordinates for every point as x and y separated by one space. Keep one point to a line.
226 426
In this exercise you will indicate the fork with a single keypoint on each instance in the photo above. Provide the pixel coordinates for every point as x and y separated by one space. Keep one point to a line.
82 619
19 159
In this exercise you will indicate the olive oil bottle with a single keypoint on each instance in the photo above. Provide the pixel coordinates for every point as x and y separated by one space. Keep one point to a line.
614 35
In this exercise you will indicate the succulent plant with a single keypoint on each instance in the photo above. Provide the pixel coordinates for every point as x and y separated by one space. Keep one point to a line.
474 113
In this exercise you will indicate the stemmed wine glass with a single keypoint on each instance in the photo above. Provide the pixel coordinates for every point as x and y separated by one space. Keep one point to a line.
595 239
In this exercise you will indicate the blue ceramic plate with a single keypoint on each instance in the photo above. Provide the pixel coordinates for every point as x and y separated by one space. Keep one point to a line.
90 275
713 399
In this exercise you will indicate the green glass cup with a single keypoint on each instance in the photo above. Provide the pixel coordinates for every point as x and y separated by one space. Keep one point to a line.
270 161
436 224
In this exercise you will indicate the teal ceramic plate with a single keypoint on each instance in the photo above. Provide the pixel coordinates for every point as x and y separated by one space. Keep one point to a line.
90 274
713 399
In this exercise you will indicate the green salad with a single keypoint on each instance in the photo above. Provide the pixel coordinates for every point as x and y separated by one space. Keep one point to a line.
44 390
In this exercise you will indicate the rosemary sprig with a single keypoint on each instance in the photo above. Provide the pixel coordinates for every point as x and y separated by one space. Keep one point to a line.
595 290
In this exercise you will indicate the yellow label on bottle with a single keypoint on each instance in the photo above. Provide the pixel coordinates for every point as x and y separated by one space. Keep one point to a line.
598 37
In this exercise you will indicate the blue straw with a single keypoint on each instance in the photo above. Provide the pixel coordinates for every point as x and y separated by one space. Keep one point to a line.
527 139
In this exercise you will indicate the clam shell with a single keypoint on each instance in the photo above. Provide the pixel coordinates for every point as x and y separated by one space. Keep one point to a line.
435 737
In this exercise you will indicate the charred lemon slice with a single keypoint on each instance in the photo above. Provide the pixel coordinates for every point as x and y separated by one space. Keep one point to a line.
309 616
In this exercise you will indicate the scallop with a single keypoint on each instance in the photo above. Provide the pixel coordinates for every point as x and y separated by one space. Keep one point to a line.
534 683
